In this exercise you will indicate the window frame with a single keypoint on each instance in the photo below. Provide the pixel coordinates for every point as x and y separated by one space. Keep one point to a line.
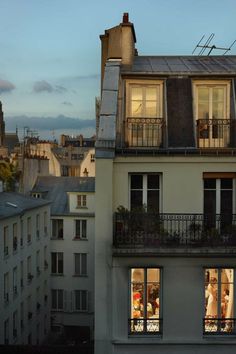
57 264
81 201
80 273
160 318
57 308
81 236
87 300
145 190
218 333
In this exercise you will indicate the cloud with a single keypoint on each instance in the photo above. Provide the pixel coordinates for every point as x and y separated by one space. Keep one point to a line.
6 86
66 103
41 86
44 86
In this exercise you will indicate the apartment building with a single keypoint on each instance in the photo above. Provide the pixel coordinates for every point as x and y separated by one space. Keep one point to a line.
165 239
72 254
24 264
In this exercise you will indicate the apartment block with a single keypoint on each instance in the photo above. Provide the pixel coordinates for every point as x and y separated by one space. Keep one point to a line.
24 264
165 226
72 254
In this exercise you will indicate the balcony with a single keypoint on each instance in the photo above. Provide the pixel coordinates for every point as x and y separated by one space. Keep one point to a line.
214 133
223 326
145 132
141 230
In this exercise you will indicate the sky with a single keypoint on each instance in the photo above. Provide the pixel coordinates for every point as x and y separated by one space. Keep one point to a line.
50 49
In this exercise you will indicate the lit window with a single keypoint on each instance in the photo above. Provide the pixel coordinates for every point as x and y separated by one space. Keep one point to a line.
81 300
81 229
144 113
81 264
212 111
219 301
145 301
81 200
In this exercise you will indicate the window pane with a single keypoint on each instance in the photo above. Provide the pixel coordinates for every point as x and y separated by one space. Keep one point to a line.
84 264
218 94
153 201
151 109
211 293
137 275
54 299
136 94
136 108
151 93
226 183
136 181
84 228
210 183
153 181
136 199
60 299
60 262
84 300
203 94
54 262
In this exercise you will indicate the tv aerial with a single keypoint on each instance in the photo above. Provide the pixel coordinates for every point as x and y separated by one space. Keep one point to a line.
211 47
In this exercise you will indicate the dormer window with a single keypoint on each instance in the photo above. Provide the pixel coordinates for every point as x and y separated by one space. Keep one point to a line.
144 113
212 112
81 201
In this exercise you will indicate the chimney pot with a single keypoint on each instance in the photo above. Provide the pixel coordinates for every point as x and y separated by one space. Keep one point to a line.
126 17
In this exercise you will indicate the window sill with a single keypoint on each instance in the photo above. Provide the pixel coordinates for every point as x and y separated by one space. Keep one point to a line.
76 238
81 207
56 239
80 275
57 274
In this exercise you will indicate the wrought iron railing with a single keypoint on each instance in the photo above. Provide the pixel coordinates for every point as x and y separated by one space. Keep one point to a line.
219 326
145 326
145 132
135 229
213 133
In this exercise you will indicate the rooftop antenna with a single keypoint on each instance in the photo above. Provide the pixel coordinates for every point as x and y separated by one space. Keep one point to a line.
211 47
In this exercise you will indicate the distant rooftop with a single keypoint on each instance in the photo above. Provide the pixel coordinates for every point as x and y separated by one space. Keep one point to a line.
12 204
207 65
55 189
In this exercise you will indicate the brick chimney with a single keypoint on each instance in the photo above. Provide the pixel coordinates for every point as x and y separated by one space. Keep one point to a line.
118 43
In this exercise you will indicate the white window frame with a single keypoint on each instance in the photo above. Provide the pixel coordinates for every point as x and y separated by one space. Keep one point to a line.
145 189
81 273
81 200
57 260
81 236
57 308
80 309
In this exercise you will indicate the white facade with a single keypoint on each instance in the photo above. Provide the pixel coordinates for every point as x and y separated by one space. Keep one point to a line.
25 280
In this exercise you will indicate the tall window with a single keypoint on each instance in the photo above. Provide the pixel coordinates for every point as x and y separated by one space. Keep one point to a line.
6 332
145 301
29 230
38 226
57 299
81 300
14 324
6 288
80 264
15 240
219 301
57 228
57 262
218 200
81 229
81 200
15 290
45 223
145 192
212 112
6 240
144 113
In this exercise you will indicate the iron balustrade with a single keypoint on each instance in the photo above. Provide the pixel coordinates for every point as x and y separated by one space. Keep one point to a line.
145 325
145 132
213 133
225 326
135 229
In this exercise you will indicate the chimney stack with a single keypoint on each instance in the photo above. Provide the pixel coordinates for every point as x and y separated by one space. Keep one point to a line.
118 43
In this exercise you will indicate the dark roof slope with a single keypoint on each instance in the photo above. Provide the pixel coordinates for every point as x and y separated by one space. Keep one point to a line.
184 65
12 204
55 189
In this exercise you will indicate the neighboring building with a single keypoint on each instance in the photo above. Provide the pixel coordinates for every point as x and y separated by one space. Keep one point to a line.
24 264
72 253
3 149
165 239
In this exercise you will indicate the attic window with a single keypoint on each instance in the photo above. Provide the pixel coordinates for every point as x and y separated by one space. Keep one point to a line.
36 195
81 201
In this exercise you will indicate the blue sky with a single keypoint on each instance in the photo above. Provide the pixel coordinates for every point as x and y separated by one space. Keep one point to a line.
50 49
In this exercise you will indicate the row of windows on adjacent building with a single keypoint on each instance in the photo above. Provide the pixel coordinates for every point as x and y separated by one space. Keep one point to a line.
146 301
19 277
80 263
76 300
145 112
18 324
15 234
79 233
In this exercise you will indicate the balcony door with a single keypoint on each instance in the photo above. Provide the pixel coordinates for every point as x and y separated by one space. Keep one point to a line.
213 126
218 202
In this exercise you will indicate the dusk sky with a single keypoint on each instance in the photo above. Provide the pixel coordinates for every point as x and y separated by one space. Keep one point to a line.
50 49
